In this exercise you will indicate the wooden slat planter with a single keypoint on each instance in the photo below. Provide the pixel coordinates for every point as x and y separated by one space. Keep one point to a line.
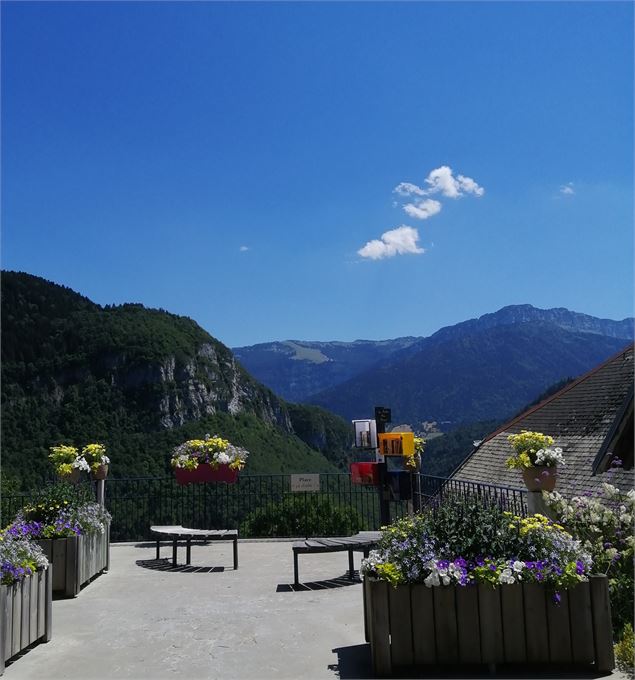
415 625
25 614
77 560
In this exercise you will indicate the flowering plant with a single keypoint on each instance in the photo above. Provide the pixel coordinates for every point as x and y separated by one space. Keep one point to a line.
214 451
59 520
19 558
604 523
495 547
533 449
414 460
95 455
67 458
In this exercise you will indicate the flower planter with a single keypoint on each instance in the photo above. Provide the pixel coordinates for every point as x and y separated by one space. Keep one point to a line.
76 560
25 614
365 474
540 478
73 477
100 473
414 625
206 473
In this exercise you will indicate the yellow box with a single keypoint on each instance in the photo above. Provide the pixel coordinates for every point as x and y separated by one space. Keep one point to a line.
396 443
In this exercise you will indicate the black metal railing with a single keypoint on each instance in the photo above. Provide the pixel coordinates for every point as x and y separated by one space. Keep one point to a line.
258 505
265 505
429 490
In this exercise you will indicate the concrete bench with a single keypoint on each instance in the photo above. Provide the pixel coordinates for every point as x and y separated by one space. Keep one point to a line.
363 542
174 533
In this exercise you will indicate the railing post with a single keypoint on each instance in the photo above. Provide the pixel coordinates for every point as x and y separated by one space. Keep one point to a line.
101 492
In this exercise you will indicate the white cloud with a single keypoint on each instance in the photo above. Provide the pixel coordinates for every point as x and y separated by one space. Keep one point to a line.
408 189
567 189
400 241
441 180
422 210
244 249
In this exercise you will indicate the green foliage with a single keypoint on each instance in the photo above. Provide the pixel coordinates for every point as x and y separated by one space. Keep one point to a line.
625 651
470 526
49 500
324 431
604 524
303 515
444 454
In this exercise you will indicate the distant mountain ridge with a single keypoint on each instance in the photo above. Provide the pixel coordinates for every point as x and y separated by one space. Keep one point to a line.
480 369
295 369
559 316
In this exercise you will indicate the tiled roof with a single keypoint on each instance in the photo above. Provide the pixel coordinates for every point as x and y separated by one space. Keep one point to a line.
579 417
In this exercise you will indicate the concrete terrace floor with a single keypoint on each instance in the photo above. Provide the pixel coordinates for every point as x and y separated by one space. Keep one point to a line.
144 619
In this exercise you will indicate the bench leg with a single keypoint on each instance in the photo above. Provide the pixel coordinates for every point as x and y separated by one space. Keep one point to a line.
351 565
188 551
174 552
158 549
236 553
296 582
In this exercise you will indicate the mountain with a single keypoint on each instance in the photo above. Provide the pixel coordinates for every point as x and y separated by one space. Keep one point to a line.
141 381
295 369
299 370
477 374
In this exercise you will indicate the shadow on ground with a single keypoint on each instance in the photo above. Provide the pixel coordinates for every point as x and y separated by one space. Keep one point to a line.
338 582
355 662
163 564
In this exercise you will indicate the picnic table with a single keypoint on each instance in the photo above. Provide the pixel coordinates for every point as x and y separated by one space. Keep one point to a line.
177 532
364 542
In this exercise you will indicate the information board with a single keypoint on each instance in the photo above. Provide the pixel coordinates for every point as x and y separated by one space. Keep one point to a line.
305 483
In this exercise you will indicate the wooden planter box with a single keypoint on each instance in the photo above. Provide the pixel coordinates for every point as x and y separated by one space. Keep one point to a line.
25 614
414 625
77 560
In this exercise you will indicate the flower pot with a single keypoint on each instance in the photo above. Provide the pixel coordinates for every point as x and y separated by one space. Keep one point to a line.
540 478
73 477
206 473
365 474
100 473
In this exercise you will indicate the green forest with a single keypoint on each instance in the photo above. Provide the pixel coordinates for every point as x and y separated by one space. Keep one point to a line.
141 381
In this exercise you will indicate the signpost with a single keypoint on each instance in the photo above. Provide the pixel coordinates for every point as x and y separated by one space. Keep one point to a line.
383 416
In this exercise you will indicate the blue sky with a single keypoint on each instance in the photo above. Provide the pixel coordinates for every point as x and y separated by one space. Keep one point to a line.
230 161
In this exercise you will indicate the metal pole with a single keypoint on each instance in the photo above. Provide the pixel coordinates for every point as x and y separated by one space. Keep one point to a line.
384 506
101 492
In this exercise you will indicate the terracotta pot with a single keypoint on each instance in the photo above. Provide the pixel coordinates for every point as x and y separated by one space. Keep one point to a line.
206 473
101 472
540 478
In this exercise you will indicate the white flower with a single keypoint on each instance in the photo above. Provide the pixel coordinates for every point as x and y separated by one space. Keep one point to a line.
518 566
81 464
223 458
432 579
506 576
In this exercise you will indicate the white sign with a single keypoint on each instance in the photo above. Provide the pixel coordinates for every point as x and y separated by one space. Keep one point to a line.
305 483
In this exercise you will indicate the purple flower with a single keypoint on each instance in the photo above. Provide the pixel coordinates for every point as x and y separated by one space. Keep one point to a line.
557 598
